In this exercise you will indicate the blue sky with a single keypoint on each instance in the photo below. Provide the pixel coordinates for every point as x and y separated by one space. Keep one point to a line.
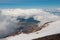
29 3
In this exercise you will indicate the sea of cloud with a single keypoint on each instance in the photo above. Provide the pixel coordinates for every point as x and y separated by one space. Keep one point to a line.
8 22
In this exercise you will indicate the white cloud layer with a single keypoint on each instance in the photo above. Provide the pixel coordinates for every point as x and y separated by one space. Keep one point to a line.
8 22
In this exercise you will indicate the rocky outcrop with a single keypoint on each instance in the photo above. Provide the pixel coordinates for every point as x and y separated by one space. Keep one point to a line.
50 37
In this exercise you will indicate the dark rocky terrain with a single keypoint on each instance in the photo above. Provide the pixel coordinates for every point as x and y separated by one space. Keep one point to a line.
27 25
50 37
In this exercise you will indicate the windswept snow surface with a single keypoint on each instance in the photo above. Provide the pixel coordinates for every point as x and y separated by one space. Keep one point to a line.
8 23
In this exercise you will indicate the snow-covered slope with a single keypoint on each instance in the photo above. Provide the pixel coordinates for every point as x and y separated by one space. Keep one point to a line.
53 28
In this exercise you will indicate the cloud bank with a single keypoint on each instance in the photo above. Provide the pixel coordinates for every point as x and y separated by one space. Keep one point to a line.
8 18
